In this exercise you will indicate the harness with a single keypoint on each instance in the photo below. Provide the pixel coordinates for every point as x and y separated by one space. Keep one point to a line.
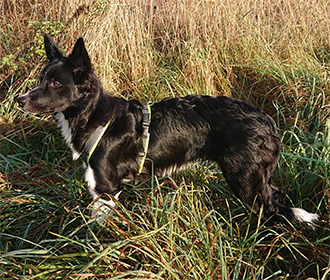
94 140
146 118
97 135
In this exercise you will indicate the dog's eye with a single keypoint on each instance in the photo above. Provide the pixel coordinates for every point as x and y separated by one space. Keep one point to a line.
56 84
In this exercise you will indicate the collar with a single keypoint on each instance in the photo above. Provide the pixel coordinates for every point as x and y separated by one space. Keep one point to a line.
94 140
146 119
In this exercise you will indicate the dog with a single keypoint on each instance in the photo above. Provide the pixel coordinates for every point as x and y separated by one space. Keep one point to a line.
115 136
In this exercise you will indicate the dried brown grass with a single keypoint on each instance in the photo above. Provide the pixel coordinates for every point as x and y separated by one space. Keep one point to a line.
201 45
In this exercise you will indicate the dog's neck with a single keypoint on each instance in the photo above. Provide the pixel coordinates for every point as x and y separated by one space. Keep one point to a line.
77 126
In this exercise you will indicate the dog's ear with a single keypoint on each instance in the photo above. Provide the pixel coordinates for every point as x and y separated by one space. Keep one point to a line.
79 60
53 52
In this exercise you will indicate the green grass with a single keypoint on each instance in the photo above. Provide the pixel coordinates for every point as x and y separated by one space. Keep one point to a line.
186 227
189 226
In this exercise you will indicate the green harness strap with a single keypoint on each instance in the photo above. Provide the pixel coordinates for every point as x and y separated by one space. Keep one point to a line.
146 114
97 135
94 140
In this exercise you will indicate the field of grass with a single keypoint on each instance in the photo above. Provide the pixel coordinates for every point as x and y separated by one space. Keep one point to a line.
273 54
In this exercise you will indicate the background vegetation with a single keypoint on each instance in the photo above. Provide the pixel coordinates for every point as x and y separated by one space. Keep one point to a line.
273 54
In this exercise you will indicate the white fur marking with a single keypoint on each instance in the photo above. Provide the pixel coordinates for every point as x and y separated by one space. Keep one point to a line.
89 178
63 124
304 216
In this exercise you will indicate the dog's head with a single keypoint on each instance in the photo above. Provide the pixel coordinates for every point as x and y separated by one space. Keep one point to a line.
61 82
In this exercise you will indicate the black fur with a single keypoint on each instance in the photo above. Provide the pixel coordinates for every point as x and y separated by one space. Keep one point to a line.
242 139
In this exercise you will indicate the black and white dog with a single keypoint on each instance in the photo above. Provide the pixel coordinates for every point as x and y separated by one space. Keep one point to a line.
115 136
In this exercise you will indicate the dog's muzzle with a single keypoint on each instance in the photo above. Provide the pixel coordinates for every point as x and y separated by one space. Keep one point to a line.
22 100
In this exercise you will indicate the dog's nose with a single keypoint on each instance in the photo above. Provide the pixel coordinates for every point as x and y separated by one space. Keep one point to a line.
22 100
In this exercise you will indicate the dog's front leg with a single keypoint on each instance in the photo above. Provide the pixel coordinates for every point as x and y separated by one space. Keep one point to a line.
101 207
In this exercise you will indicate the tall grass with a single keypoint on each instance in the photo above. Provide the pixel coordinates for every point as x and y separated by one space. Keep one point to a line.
272 54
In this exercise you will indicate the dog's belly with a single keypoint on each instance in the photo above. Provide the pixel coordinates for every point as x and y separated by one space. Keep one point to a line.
173 169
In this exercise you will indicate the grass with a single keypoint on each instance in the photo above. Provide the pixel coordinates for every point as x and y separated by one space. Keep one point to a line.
271 54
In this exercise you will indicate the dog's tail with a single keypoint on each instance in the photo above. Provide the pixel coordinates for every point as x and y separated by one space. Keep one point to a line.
300 216
297 216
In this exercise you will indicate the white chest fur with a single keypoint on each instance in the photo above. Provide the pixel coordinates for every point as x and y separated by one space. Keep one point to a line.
63 124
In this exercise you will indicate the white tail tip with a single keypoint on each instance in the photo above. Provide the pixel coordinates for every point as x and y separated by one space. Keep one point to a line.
303 216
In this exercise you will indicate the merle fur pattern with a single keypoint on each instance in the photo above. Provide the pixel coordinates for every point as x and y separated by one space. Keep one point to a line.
242 139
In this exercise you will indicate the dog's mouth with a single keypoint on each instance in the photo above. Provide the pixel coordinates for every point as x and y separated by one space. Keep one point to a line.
49 111
37 111
30 105
46 112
